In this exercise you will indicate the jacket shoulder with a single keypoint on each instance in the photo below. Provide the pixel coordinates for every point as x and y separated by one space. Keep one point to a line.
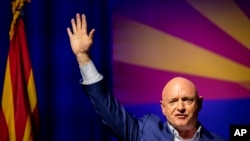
210 136
151 122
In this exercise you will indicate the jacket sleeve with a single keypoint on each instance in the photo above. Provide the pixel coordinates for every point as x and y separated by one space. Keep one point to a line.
113 114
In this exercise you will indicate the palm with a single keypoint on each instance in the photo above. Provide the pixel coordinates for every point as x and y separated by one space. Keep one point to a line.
79 39
80 42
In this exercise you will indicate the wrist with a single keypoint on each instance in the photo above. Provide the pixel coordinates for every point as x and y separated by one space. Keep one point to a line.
82 59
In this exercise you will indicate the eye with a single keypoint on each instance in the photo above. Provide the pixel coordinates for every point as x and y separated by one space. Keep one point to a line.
172 102
188 100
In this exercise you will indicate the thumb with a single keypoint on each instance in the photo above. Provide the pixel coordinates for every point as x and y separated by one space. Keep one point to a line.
91 33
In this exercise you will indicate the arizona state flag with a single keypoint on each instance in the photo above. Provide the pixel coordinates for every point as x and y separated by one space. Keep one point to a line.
18 112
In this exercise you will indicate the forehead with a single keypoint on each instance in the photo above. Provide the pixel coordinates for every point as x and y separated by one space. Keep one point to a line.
181 88
180 91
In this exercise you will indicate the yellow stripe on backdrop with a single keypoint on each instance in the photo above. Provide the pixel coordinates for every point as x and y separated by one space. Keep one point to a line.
143 45
28 130
8 104
32 91
33 103
227 16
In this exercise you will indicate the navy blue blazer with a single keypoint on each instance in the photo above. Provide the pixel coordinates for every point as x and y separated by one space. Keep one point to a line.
126 126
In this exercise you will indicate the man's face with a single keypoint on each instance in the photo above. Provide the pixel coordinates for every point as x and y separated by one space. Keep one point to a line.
180 104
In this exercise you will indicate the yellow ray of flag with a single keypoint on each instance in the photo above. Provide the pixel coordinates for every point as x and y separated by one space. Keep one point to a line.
139 44
226 15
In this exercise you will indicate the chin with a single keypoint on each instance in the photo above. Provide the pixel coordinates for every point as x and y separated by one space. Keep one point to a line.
181 124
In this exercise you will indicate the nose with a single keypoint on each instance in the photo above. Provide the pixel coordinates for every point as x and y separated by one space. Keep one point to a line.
181 107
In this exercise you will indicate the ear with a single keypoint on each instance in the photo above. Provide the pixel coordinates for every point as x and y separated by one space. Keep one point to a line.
163 108
199 102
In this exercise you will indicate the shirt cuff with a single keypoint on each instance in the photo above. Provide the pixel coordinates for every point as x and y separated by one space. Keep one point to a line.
89 74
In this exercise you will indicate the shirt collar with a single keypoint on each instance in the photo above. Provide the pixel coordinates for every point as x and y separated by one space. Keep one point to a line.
176 133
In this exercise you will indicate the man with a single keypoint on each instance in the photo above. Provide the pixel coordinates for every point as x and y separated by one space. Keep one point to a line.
180 101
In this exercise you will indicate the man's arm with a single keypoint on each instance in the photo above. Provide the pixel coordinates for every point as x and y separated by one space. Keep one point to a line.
112 113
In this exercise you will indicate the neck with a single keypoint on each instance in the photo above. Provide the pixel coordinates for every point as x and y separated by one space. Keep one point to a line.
188 132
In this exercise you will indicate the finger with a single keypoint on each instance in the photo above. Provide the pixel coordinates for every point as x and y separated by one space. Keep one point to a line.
69 32
73 23
84 23
91 33
78 22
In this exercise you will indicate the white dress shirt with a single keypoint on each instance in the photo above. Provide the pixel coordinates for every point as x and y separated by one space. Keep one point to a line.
196 136
89 74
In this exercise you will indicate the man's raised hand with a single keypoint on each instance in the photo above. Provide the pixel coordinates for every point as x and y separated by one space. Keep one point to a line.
80 40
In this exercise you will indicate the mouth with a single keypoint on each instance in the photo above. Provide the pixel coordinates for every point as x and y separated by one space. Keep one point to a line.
181 116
